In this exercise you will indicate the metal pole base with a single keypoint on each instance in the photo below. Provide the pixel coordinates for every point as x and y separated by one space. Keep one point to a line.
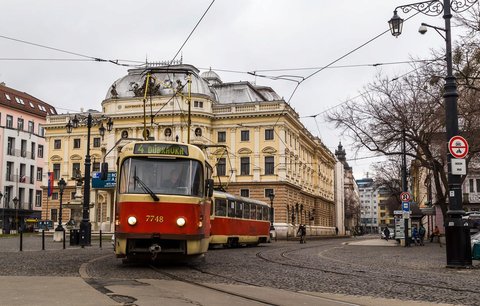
85 234
459 252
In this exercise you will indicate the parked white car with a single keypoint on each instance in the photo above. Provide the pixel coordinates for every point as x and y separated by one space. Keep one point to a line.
475 239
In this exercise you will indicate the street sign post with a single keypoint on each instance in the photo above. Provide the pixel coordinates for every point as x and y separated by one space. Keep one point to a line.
405 197
458 147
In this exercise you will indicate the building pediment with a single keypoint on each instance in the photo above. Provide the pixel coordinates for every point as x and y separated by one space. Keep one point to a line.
244 151
220 151
75 157
56 158
269 150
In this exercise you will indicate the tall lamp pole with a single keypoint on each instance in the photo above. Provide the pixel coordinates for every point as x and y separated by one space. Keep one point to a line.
85 225
271 195
456 234
61 187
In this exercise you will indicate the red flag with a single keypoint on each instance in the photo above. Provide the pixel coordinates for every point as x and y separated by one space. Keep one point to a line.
50 183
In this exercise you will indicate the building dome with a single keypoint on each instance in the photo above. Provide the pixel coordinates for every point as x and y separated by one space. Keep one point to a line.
164 80
211 77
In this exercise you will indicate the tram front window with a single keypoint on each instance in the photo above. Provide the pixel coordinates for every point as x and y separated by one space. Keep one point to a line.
162 176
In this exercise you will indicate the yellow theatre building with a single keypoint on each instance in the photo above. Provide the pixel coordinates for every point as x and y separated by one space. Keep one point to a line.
256 144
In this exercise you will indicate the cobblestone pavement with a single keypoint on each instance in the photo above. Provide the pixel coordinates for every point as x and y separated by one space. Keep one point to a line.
329 266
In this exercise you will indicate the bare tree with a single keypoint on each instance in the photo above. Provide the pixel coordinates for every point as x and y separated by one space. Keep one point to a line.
414 103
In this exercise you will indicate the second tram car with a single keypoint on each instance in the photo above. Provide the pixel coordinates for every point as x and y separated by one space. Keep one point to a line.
162 204
238 221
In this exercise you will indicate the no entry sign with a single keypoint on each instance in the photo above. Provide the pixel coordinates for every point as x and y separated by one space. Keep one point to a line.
458 147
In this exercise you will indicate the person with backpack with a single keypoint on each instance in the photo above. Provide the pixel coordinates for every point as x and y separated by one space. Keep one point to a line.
421 234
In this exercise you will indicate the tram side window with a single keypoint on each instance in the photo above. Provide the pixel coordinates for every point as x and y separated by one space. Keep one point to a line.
265 213
231 208
220 207
259 212
253 211
246 211
239 209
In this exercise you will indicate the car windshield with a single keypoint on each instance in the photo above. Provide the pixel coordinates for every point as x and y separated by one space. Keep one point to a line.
161 176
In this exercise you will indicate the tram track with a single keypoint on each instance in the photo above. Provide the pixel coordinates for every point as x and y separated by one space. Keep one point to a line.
211 287
359 273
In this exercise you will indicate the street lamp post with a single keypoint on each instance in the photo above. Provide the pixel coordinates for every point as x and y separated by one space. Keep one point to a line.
456 234
271 195
88 121
61 187
15 203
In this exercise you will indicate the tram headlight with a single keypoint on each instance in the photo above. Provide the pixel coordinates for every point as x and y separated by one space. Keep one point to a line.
132 220
181 221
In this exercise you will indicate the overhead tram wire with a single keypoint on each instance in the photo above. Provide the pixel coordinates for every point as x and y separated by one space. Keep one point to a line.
92 58
325 67
189 35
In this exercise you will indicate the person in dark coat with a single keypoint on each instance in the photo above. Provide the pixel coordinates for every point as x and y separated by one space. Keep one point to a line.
386 232
302 232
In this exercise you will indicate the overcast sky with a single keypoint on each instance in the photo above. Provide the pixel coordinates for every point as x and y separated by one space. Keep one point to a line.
237 36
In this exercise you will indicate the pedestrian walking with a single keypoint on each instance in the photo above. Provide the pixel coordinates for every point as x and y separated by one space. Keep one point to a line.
421 234
336 230
435 233
386 232
302 232
415 238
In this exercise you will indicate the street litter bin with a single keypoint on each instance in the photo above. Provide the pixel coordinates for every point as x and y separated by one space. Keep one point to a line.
74 237
476 251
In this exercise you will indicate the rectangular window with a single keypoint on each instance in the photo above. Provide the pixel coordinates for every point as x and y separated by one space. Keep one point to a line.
244 135
96 167
41 130
9 121
222 137
32 151
470 181
478 185
220 207
245 166
57 144
56 171
9 172
40 151
32 174
76 143
198 104
54 212
269 134
221 167
268 191
96 142
75 169
269 165
20 124
38 198
31 126
23 148
39 174
245 193
11 146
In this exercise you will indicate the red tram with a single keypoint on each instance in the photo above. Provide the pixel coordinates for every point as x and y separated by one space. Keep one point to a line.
163 200
238 221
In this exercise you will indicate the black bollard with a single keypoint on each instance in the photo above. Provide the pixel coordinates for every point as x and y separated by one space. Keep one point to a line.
63 239
100 238
21 241
43 240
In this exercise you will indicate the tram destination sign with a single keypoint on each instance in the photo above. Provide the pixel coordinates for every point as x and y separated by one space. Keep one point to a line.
160 148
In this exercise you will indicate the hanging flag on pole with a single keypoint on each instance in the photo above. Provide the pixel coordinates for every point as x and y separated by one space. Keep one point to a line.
50 184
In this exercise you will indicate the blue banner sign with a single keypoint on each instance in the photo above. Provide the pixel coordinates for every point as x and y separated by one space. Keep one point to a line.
109 183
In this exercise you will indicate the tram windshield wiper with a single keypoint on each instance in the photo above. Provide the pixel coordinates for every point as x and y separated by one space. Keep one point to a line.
146 188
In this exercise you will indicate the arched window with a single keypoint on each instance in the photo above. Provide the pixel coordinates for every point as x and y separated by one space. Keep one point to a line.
168 132
198 132
124 134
